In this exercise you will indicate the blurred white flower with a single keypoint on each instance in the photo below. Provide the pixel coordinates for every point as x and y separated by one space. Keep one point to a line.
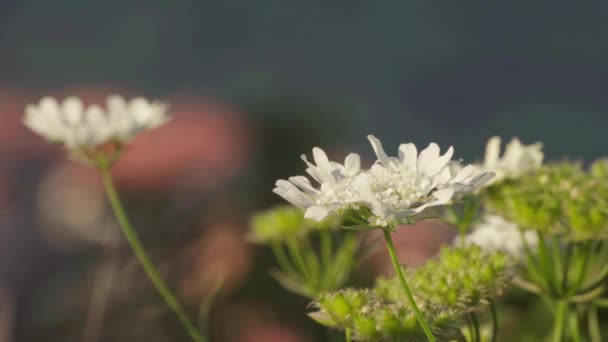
82 128
495 233
394 189
336 189
517 160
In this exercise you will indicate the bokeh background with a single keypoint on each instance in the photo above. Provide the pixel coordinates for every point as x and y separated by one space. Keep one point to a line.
252 85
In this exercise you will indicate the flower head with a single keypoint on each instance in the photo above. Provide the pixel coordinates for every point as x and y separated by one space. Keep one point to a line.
517 160
396 189
82 129
392 191
497 234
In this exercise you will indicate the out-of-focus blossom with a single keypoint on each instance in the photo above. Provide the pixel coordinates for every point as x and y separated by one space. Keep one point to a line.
72 209
204 144
220 257
517 160
495 233
16 141
82 128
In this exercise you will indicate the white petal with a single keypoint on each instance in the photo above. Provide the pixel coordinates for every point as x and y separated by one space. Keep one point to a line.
303 183
492 151
323 164
72 108
431 166
141 110
428 155
313 171
352 164
464 173
442 196
377 146
408 155
316 213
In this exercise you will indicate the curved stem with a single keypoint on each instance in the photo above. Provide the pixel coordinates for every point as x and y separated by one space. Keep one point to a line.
408 292
142 257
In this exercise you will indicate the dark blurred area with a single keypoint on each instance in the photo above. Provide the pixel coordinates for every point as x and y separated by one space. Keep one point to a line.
252 85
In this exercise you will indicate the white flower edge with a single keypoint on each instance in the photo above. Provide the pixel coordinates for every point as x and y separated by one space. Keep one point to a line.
333 178
76 126
494 233
517 159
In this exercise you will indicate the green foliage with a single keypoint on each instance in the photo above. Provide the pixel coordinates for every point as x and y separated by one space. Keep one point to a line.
558 199
313 257
457 282
284 223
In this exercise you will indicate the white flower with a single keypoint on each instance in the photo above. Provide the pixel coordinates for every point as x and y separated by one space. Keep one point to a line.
396 189
336 189
517 160
495 233
393 189
79 127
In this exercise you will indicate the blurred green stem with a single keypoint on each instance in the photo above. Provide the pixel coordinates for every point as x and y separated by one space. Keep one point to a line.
494 321
560 319
141 255
408 292
593 325
347 335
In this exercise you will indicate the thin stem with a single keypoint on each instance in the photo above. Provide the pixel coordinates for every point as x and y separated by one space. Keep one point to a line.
347 335
560 319
408 292
494 321
574 326
282 259
476 326
593 325
142 257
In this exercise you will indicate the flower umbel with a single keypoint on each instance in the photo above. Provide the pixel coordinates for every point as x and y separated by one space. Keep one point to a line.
391 192
396 189
83 129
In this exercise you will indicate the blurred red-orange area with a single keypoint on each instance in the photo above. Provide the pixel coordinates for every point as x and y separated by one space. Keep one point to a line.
205 140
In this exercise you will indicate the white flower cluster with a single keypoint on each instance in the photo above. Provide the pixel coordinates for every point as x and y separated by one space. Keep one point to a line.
80 127
517 160
393 189
495 233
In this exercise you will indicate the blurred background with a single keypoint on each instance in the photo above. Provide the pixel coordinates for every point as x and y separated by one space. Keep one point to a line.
252 85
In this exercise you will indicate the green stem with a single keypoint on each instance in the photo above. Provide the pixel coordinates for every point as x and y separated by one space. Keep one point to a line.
560 319
282 259
593 325
574 326
142 257
347 335
494 321
408 292
476 327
